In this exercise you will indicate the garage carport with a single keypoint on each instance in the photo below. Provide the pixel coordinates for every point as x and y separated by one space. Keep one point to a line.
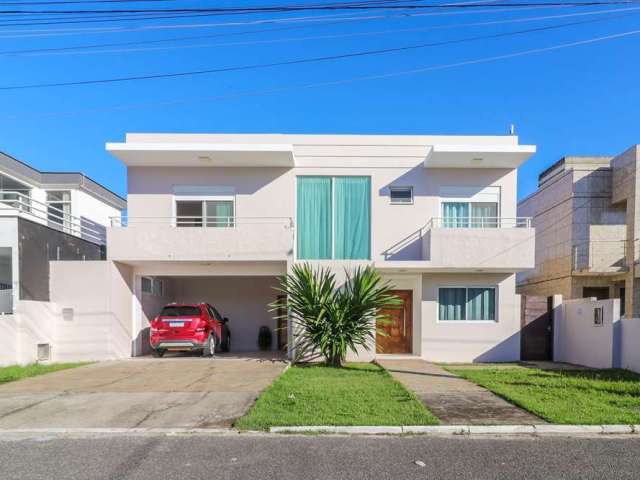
240 292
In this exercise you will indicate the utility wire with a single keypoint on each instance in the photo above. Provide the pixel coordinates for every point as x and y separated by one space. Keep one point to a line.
90 49
322 7
318 19
290 62
345 81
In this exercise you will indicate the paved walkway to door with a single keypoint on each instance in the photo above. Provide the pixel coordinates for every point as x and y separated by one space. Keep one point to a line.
141 392
452 399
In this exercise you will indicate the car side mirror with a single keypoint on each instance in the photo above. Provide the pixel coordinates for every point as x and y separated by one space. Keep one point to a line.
225 319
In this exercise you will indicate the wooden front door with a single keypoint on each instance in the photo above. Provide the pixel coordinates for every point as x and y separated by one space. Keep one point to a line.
536 334
398 328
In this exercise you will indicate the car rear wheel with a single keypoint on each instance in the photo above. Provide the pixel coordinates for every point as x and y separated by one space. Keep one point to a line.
210 347
157 353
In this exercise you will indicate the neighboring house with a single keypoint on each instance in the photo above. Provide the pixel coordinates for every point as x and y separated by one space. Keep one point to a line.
217 218
586 230
44 216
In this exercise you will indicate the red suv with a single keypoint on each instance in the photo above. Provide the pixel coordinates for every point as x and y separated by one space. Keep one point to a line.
189 327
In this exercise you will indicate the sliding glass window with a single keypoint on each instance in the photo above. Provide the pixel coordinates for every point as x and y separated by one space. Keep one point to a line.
470 214
334 218
208 213
462 303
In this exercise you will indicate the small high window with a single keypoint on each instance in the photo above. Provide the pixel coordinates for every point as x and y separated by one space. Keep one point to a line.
401 195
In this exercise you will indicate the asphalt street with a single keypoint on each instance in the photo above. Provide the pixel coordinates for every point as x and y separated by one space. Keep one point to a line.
318 457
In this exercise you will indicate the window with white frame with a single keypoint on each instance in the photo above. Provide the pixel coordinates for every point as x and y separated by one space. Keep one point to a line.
401 195
147 285
152 286
467 304
59 208
204 207
470 207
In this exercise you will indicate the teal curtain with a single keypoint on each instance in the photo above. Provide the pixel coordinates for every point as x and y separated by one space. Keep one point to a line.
352 217
484 215
314 218
219 213
455 214
481 304
451 304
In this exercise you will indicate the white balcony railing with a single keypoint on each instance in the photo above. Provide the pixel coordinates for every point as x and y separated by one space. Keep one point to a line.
479 222
16 203
199 221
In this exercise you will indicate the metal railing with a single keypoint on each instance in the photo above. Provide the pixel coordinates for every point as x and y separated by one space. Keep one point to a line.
185 221
51 216
600 255
479 222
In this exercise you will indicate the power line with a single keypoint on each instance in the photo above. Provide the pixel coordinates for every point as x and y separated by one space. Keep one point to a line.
289 62
90 49
345 81
321 7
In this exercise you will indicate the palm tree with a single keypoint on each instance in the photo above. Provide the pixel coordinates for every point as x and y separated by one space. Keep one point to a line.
331 321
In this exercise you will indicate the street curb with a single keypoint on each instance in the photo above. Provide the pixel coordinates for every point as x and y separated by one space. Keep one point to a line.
116 431
544 429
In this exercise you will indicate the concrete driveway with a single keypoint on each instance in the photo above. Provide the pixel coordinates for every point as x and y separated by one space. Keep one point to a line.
169 392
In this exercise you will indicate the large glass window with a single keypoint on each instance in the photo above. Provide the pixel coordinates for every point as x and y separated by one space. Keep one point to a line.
334 217
470 214
210 213
59 209
462 303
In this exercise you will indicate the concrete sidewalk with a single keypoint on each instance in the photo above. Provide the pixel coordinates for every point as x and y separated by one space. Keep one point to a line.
452 399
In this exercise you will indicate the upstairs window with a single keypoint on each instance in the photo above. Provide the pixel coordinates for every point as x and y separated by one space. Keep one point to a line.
470 207
334 217
401 195
204 207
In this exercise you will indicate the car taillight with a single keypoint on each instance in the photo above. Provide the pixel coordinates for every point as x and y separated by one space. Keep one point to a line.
154 325
201 326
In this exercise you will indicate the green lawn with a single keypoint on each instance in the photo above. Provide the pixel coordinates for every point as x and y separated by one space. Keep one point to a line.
18 372
567 397
358 394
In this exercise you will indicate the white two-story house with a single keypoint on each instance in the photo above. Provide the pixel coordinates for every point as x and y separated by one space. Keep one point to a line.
217 218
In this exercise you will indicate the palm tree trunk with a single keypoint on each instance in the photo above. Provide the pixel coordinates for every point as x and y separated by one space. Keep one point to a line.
335 361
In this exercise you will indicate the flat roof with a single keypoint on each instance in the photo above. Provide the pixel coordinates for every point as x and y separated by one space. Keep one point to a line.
289 150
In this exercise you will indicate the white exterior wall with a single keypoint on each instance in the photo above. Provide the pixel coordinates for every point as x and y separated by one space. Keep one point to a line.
271 192
100 294
629 335
88 206
579 340
471 341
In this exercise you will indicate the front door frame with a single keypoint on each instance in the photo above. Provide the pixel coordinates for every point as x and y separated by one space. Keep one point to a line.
408 296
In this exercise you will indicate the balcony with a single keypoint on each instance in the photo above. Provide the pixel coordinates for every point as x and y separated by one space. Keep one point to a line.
200 239
20 205
479 244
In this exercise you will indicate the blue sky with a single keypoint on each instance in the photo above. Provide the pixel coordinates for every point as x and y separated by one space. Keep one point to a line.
582 100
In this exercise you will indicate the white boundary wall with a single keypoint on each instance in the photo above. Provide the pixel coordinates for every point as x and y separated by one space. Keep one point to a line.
630 344
578 340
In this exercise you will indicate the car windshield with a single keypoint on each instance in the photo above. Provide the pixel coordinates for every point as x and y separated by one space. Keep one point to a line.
180 311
